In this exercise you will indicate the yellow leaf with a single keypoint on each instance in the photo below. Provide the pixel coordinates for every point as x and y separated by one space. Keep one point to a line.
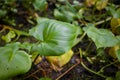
38 60
115 23
59 61
101 4
112 51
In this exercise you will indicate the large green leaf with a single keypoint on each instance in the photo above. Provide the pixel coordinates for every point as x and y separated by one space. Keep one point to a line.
101 37
56 37
11 66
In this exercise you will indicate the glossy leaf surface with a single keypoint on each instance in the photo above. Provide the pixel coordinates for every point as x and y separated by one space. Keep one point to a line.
56 37
13 62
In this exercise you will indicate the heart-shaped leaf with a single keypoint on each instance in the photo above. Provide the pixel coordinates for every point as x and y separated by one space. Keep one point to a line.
20 63
56 37
101 37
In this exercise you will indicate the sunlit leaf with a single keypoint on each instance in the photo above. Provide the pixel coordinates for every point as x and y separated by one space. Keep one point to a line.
56 37
101 37
9 36
101 4
19 64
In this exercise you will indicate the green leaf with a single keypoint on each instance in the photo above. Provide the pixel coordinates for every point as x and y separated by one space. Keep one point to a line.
112 10
101 37
56 37
66 16
117 77
15 47
40 4
27 46
9 36
118 54
19 64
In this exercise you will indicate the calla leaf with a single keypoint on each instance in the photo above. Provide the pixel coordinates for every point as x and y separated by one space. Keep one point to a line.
20 63
56 37
101 37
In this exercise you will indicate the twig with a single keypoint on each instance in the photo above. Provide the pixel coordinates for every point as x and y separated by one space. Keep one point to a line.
35 77
17 31
67 70
34 73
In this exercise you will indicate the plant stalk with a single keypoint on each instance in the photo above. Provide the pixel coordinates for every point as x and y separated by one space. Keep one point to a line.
80 39
92 70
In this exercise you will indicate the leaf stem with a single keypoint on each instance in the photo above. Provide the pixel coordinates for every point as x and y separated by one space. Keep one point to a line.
17 31
101 70
102 21
80 39
92 70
